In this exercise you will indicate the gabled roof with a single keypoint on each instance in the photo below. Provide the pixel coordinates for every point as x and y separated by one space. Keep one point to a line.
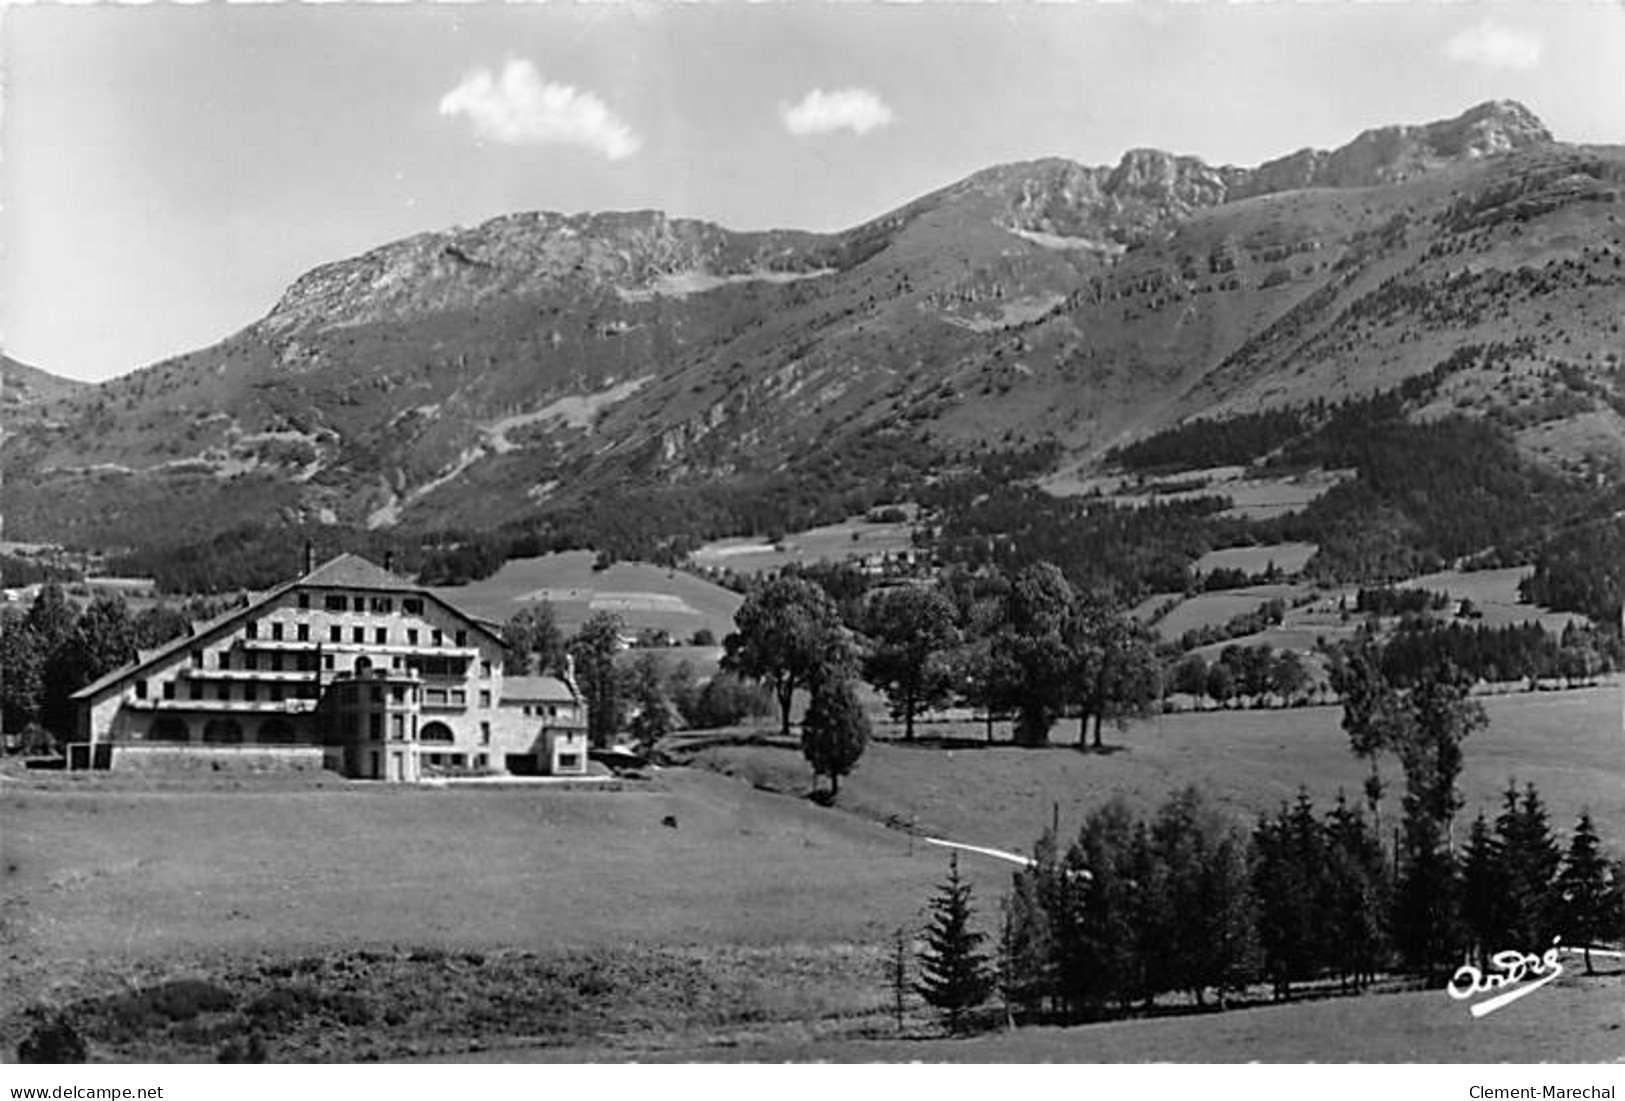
349 571
530 689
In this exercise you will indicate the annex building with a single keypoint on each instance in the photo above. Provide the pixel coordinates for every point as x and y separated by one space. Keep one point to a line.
351 668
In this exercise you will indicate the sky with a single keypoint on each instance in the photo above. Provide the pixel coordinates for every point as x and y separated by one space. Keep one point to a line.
169 169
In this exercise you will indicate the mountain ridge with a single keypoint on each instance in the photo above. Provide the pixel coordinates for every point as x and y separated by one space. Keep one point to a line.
466 377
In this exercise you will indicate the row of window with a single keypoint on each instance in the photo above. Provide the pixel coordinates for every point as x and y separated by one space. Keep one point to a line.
248 691
377 605
358 635
305 662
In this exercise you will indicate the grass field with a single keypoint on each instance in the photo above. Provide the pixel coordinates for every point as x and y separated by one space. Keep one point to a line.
1217 608
1569 744
1576 1019
643 595
770 912
1289 558
853 539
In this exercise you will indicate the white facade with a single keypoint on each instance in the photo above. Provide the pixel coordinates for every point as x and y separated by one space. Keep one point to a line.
390 681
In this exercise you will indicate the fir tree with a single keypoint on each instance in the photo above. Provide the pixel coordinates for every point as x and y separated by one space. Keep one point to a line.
1358 894
1593 900
954 973
1532 859
1484 891
1026 976
1427 918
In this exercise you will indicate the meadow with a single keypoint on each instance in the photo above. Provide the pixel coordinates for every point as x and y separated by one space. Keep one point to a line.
853 539
1570 744
642 595
755 918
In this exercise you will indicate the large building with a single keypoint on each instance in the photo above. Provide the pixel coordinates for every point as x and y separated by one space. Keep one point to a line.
349 668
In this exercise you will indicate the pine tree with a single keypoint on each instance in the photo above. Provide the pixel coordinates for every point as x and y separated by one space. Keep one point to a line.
1358 893
1027 971
1593 900
1427 906
1532 860
1484 891
954 973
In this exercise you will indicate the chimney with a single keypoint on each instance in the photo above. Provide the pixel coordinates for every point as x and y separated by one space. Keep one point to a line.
389 561
310 557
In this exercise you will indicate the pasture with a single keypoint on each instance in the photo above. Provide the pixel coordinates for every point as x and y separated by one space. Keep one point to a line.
642 595
1569 744
757 919
854 539
1577 1019
1217 608
1289 558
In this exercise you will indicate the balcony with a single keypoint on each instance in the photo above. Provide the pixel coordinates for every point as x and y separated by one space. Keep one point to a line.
423 649
266 676
442 700
252 707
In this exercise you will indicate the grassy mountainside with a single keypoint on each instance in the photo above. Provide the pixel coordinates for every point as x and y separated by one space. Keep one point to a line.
22 385
542 365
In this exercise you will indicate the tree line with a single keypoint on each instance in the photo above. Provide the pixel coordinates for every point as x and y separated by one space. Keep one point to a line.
1187 901
54 649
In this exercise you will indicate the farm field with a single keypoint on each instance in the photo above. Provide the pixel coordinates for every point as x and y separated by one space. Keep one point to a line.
1495 594
1217 608
643 595
1289 558
853 539
1569 744
109 878
1576 1019
754 892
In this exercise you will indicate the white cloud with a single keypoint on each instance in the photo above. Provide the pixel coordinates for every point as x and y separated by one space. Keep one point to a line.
1496 47
819 112
517 107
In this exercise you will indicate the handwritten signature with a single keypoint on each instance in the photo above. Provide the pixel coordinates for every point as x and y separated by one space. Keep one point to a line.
1508 969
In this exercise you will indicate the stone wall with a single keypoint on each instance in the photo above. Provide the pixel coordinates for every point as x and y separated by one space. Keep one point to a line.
217 758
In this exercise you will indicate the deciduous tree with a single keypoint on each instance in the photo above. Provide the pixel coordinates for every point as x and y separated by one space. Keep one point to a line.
835 731
910 630
593 650
789 635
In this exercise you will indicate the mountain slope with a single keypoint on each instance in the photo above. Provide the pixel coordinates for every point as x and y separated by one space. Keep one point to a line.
538 361
22 385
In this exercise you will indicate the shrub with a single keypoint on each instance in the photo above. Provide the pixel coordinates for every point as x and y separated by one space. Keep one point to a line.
53 1039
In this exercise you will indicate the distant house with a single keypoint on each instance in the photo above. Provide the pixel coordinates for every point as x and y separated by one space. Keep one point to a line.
349 668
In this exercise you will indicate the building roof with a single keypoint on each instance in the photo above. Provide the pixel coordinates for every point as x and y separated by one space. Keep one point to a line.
349 571
532 689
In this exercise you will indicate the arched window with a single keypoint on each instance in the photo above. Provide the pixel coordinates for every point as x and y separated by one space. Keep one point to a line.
223 732
169 728
435 732
276 732
363 666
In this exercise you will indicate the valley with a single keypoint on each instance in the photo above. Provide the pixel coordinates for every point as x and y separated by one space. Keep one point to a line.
1033 501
